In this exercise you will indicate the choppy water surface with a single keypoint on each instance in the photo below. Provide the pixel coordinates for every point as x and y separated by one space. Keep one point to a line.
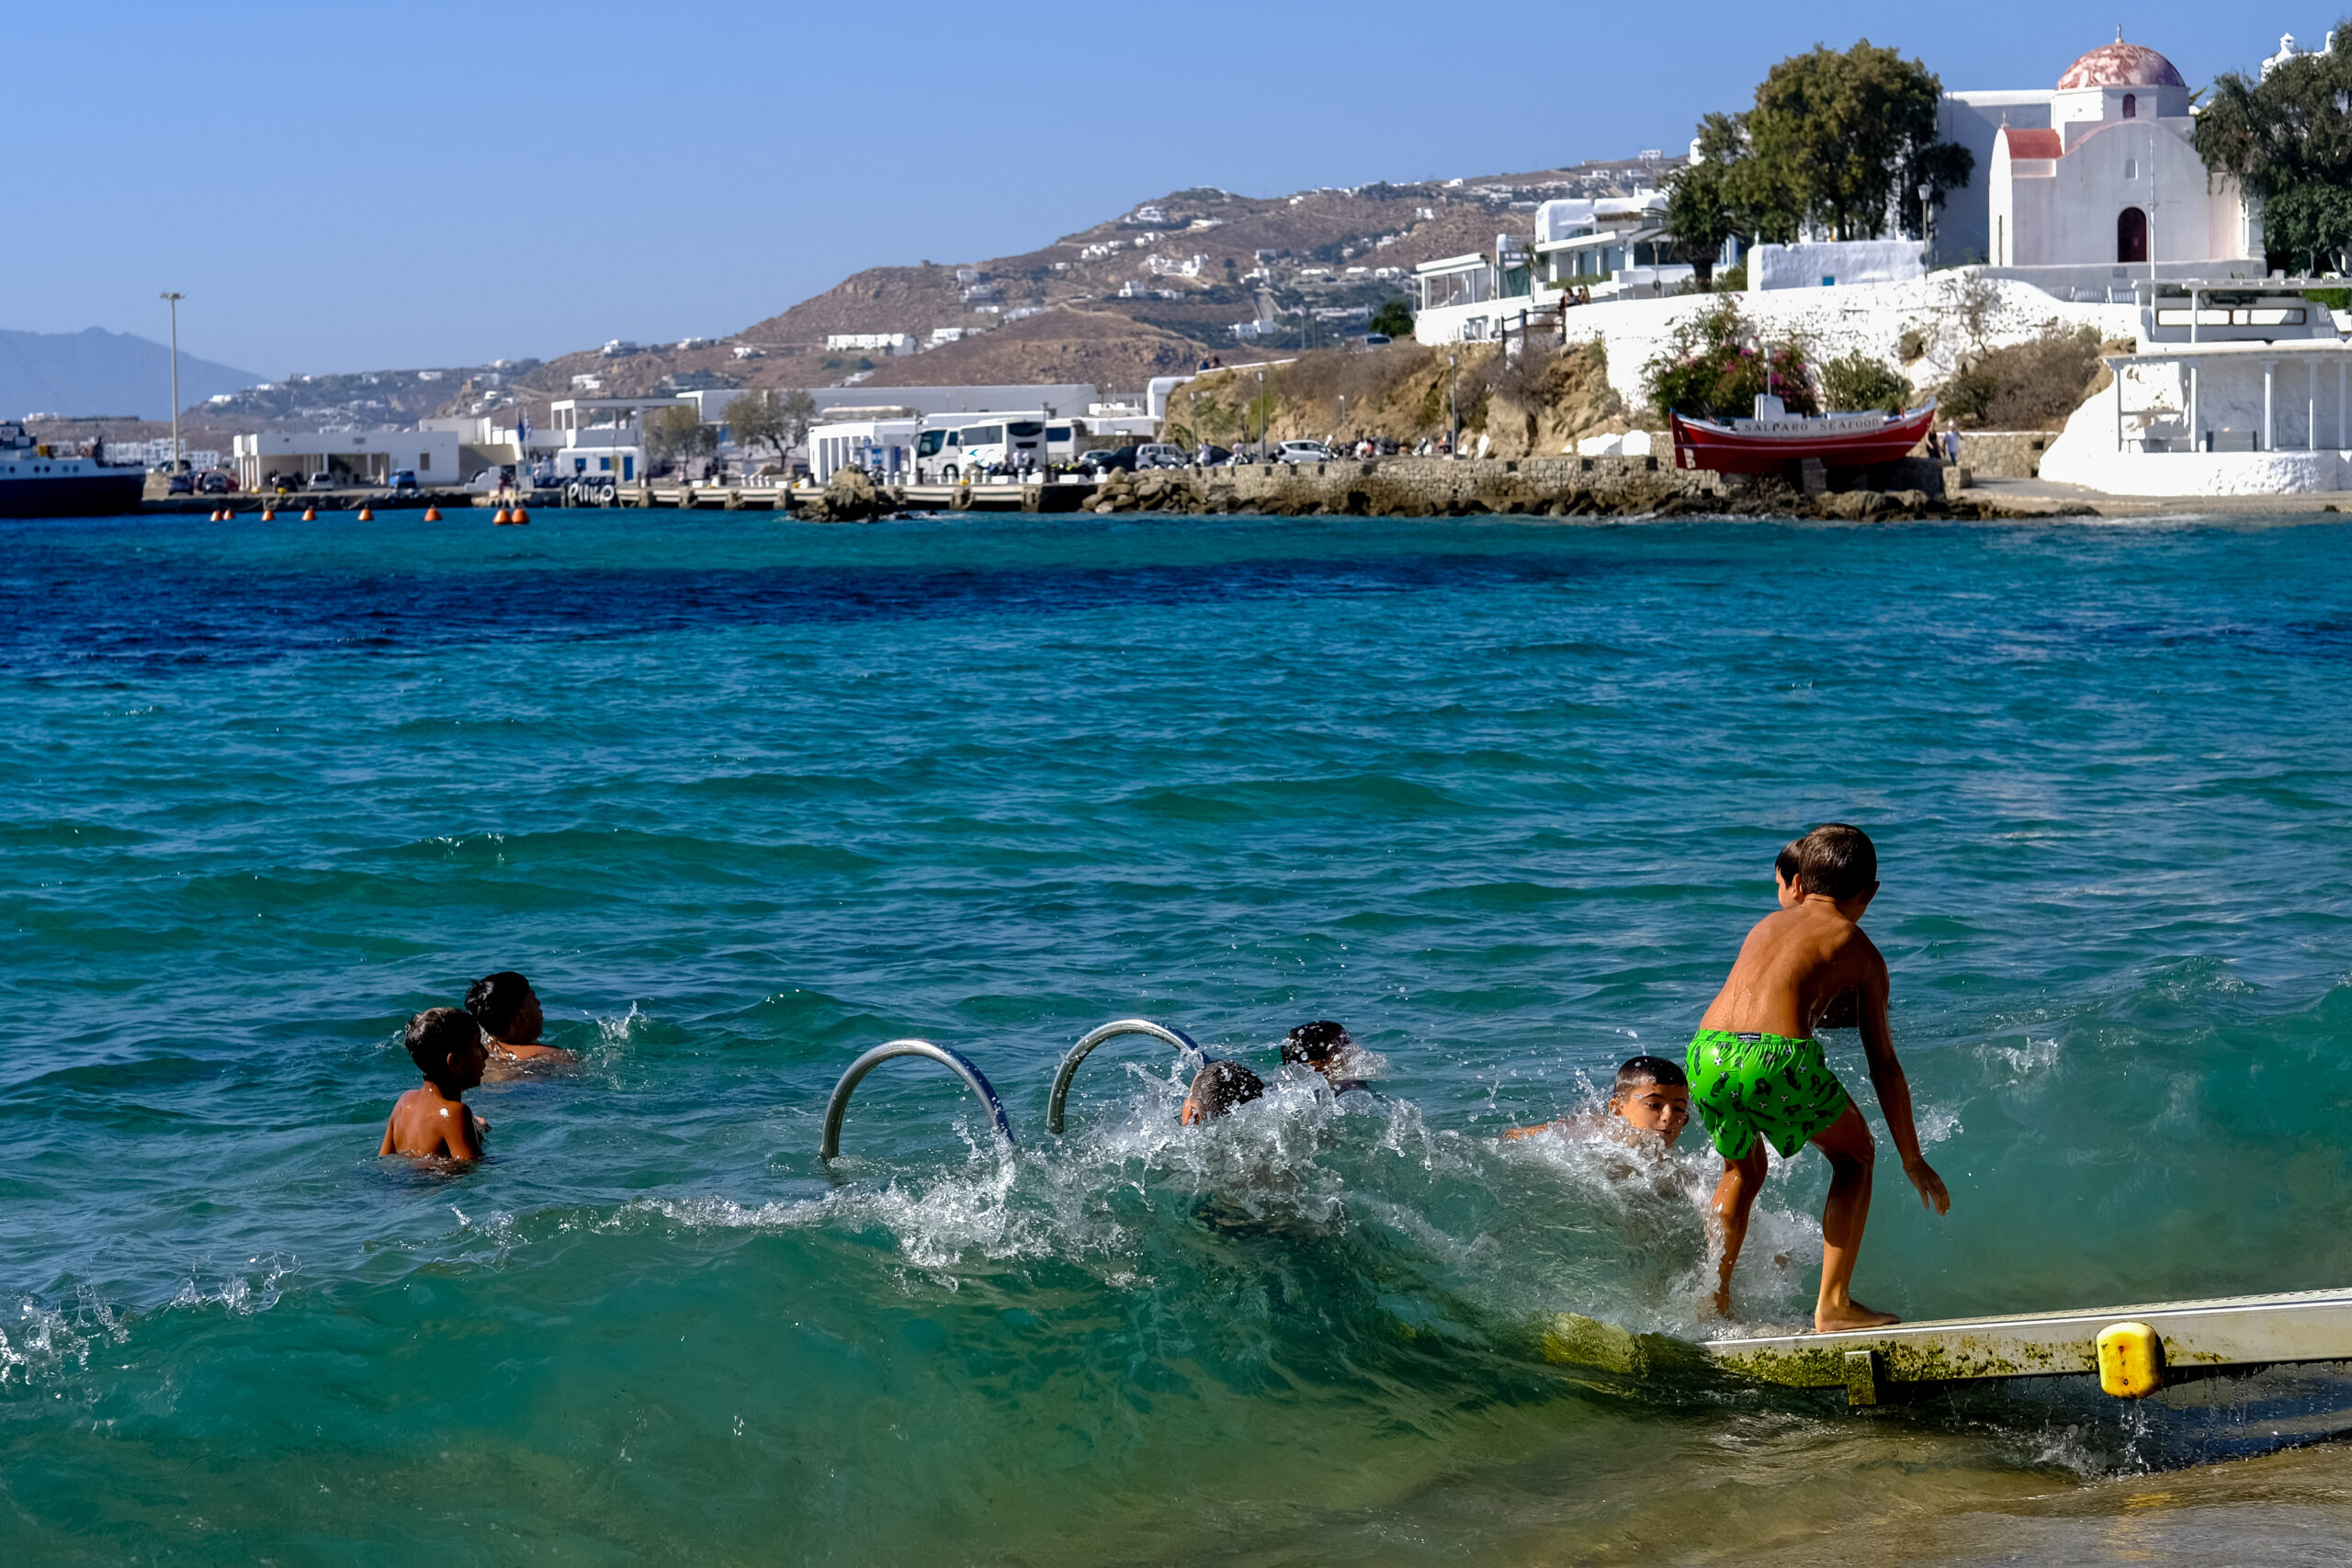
743 798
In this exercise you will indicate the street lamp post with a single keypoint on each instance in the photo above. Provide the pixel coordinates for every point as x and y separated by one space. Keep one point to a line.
1452 411
1262 416
174 301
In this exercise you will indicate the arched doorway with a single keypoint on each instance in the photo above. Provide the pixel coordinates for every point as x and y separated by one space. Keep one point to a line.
2131 235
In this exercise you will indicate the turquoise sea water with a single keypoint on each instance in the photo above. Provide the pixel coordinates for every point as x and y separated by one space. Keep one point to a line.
744 799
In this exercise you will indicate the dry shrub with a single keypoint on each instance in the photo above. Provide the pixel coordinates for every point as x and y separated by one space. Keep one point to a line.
1527 402
2032 385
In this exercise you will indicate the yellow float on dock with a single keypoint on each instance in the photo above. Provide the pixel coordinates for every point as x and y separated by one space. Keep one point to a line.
2133 1350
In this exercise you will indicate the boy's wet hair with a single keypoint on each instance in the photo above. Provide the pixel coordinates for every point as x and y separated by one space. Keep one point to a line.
1312 1044
1636 1072
1221 1086
436 1034
1838 861
494 1000
1785 864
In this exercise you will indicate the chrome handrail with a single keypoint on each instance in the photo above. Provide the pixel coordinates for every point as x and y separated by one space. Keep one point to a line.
1078 1052
953 1060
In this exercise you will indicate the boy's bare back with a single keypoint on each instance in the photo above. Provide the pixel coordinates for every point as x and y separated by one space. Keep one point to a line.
1795 963
424 1123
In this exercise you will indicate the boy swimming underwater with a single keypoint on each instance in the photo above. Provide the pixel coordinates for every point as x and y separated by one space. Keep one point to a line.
1758 1073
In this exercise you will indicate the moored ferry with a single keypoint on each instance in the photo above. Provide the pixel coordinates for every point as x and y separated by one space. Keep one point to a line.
38 480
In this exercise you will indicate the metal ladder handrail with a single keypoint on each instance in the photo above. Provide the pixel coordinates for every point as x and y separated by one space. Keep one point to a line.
953 1060
1078 1052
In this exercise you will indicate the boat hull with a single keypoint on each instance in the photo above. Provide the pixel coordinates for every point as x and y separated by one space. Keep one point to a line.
1705 444
107 492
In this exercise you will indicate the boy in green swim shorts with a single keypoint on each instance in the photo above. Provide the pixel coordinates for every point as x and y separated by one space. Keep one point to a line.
1757 1074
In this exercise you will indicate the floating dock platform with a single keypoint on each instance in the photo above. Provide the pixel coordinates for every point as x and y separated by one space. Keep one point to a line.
2133 1350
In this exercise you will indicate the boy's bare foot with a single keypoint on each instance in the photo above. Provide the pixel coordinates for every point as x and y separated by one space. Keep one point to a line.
1723 1301
1852 1315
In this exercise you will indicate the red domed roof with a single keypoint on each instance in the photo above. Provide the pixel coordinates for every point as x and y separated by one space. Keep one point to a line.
2121 64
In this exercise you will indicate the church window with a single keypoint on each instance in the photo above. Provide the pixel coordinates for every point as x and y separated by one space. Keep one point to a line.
2131 168
2131 105
2131 235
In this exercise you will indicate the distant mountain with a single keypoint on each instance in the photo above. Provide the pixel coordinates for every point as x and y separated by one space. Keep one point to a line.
99 372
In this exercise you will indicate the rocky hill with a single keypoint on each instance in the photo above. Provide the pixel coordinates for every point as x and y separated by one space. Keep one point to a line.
1148 292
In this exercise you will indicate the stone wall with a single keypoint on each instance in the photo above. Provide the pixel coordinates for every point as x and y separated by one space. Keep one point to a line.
1550 486
2005 454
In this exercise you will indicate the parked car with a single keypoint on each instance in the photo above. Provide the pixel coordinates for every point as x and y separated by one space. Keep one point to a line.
404 481
1162 454
180 484
1301 451
216 481
322 480
1103 460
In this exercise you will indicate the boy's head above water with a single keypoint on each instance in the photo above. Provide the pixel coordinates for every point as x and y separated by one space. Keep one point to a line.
1322 1046
507 1008
1786 872
1651 1095
1218 1087
1837 862
446 1045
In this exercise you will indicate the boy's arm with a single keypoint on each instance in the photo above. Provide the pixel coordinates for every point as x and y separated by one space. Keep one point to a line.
459 1136
387 1147
1894 1089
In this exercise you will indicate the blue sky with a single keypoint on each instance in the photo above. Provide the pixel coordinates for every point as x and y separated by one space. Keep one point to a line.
354 186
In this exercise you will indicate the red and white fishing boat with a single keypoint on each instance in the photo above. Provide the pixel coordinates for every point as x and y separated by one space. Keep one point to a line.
1775 438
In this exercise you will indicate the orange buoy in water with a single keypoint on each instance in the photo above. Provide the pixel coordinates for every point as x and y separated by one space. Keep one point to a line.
520 516
367 514
432 514
498 516
269 515
310 514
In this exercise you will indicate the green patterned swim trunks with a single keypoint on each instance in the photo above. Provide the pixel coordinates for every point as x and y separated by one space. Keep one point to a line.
1745 1087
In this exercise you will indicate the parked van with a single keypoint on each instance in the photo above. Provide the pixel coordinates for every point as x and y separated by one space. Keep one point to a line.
955 446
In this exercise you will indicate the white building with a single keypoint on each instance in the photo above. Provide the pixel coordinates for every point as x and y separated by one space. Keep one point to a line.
353 457
2113 182
883 343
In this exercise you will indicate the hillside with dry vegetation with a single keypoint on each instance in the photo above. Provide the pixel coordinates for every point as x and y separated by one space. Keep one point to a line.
1533 404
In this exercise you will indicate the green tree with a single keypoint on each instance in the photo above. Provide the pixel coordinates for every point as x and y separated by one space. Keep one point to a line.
2286 137
1703 201
800 413
677 433
1395 318
1846 141
771 420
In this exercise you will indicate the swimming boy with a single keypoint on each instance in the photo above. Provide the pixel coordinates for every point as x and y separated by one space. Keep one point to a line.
508 1012
1650 1098
1757 1074
447 1048
1217 1088
1326 1047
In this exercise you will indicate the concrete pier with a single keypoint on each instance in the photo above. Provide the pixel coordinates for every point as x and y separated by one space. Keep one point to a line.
2197 1338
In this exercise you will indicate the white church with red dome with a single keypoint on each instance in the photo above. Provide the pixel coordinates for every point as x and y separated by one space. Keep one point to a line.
2113 178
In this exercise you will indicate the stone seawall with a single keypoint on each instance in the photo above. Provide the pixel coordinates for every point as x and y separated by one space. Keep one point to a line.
1429 487
1535 487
